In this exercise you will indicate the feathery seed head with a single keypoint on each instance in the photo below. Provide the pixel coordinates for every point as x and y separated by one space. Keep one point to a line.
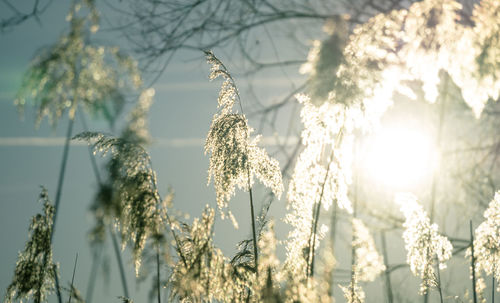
205 274
422 241
34 273
235 158
369 263
487 241
73 73
135 206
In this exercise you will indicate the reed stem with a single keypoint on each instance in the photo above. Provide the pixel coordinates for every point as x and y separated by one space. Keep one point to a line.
62 172
120 262
388 285
254 234
158 272
96 256
473 263
97 175
73 279
439 282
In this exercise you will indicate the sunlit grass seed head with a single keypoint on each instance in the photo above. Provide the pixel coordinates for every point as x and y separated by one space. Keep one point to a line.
322 175
108 204
235 158
136 129
205 275
73 72
369 263
423 242
353 293
34 272
269 266
487 241
138 211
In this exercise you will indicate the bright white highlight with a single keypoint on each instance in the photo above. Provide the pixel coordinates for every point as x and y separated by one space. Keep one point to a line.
399 158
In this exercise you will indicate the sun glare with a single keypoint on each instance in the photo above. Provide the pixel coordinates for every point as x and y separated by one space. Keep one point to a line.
399 158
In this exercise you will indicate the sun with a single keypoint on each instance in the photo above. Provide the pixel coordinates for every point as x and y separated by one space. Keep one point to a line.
399 158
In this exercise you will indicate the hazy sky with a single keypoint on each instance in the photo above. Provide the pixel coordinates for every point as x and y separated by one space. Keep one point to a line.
180 117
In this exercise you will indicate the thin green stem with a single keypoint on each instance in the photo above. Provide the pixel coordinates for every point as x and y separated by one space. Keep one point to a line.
158 272
96 256
58 287
93 162
73 279
434 185
353 248
62 172
169 221
493 287
314 232
439 282
255 251
120 263
333 230
473 262
354 215
439 138
388 285
97 175
315 219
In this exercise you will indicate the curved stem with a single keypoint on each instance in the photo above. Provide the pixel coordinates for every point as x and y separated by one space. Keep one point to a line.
314 225
316 212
